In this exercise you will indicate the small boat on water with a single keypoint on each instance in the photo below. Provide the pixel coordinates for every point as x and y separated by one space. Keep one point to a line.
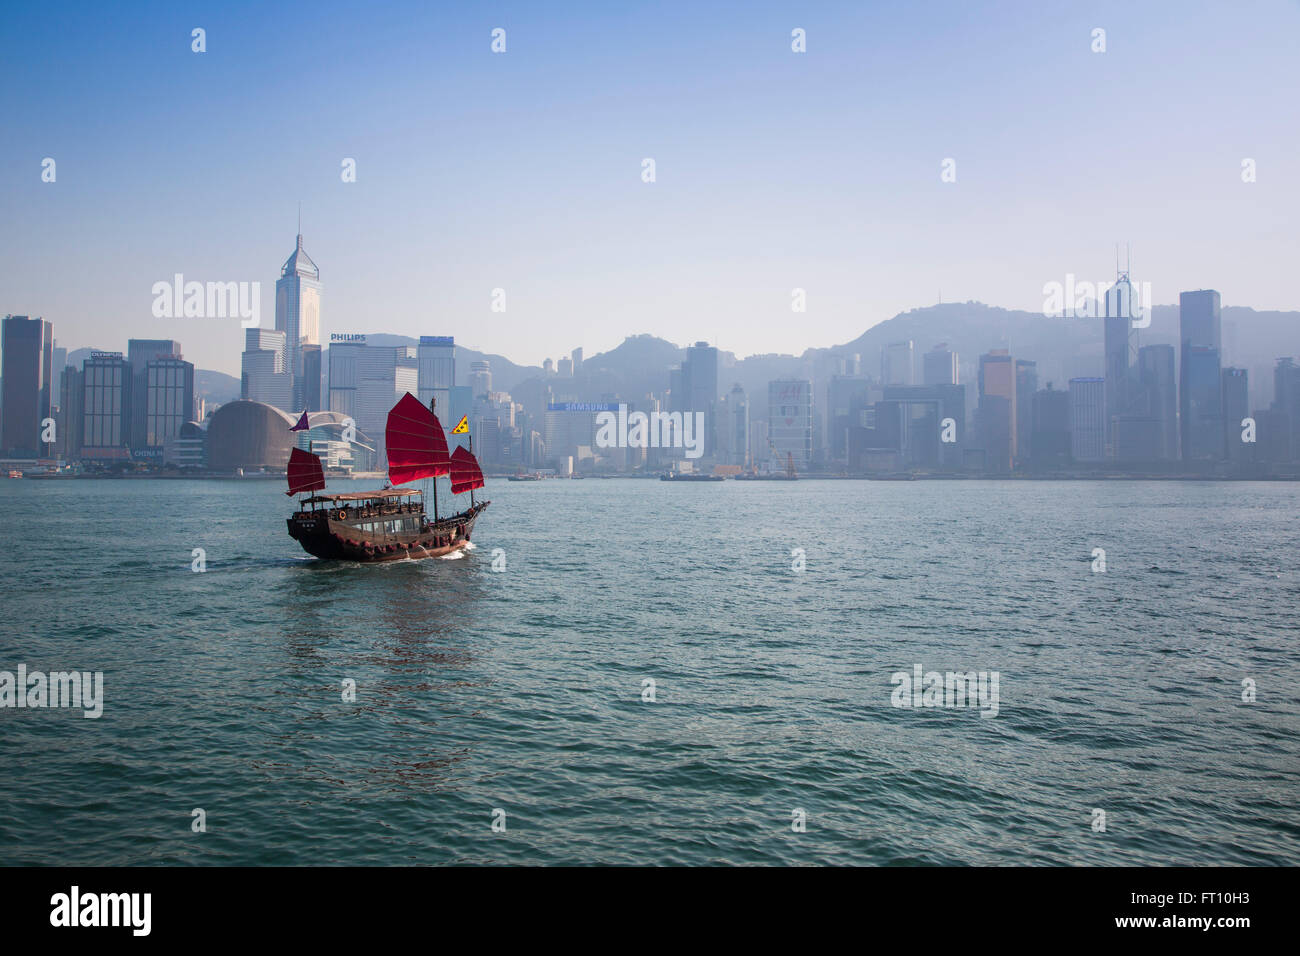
522 477
790 474
389 524
689 476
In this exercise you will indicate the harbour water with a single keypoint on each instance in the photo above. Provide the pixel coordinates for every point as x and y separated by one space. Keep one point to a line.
524 690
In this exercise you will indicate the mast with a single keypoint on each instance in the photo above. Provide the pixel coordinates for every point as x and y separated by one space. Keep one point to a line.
469 435
433 400
417 447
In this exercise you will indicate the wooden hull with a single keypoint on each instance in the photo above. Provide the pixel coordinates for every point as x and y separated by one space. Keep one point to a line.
323 536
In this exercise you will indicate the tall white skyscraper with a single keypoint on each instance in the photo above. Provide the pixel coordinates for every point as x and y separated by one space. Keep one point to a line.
297 314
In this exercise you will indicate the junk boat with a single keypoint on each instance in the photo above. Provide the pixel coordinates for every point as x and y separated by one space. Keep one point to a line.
389 524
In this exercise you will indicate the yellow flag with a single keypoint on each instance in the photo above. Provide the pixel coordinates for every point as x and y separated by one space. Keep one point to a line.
462 426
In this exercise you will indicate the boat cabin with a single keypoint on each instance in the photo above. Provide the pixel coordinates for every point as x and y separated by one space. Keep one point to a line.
390 511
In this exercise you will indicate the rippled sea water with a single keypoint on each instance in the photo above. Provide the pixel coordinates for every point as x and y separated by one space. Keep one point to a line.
522 690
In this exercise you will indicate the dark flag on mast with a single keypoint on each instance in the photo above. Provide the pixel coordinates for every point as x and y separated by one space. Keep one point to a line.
302 424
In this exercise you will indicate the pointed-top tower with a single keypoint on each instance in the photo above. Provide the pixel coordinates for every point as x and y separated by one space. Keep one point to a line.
297 315
1120 347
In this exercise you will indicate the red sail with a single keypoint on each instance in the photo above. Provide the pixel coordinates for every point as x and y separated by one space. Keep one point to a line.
417 448
465 473
305 472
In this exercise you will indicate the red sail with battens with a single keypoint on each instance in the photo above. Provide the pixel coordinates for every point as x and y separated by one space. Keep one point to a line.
305 472
465 472
417 448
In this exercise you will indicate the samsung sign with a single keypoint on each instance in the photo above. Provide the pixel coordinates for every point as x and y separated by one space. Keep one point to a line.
446 341
582 407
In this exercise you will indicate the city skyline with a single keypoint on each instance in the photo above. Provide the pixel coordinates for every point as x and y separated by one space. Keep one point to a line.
477 171
139 409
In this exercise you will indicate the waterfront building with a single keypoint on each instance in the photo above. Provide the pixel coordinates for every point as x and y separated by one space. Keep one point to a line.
251 436
1026 388
1200 401
700 390
106 404
997 410
28 368
365 382
1050 429
1236 408
1088 419
790 423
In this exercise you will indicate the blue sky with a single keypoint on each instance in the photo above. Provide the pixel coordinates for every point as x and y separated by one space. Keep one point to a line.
521 170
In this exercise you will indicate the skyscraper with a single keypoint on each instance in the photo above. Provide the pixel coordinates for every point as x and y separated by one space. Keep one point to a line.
1026 388
480 378
1236 408
790 422
1120 347
139 353
940 366
1088 419
70 414
1157 396
736 427
297 315
1286 410
57 366
263 377
107 396
1200 402
436 355
897 363
847 398
997 409
700 388
366 382
310 397
28 368
168 401
1050 435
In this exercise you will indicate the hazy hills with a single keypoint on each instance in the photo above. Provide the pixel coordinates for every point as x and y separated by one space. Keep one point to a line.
1062 347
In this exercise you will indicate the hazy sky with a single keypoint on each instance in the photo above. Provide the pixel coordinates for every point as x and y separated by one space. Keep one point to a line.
522 170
